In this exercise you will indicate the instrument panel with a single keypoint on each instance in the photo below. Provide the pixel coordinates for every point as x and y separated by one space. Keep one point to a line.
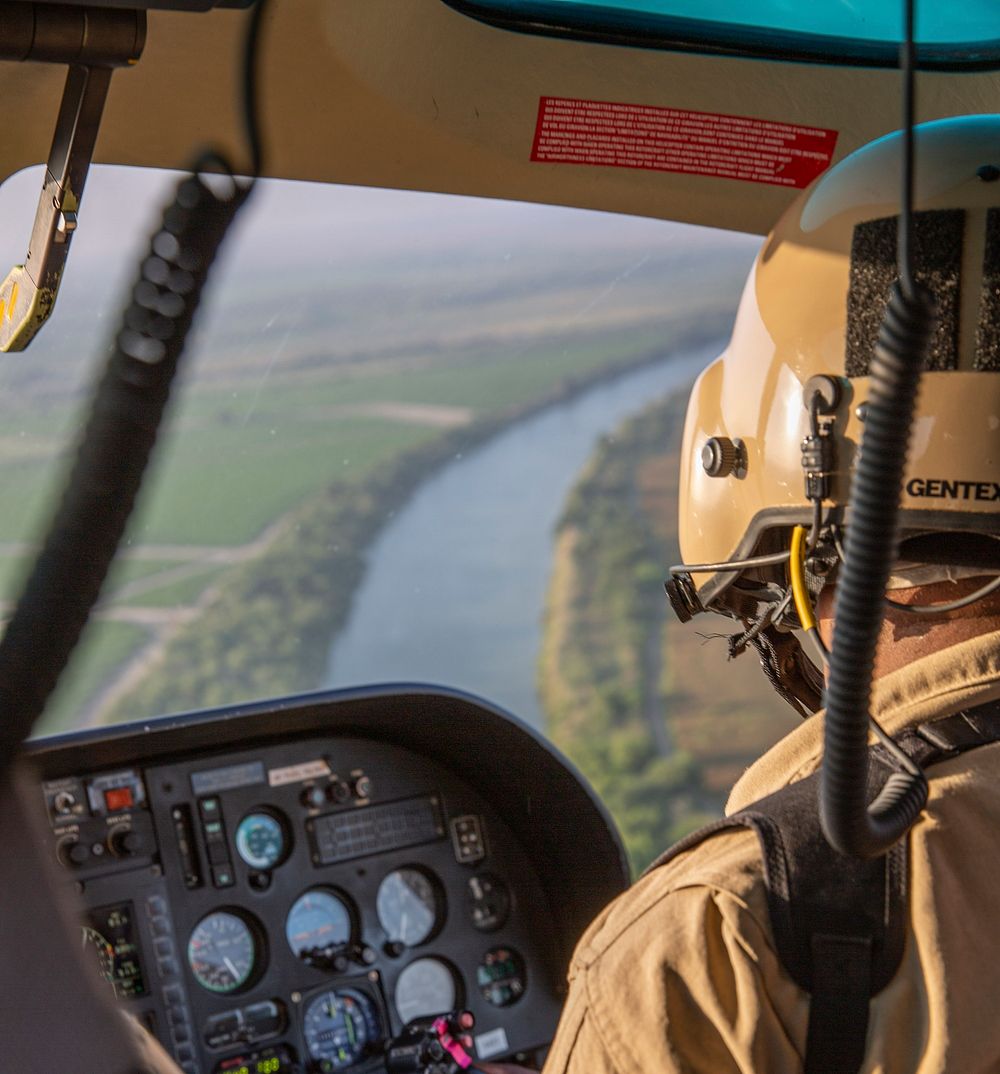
292 894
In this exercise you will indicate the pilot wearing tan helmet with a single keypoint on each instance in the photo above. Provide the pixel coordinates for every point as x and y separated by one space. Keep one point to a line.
696 968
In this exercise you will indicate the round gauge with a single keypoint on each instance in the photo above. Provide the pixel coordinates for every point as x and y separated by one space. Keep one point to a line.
425 988
261 841
488 901
318 925
339 1028
103 949
501 976
409 906
223 952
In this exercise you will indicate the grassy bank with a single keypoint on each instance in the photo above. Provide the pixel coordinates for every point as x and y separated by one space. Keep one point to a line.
650 710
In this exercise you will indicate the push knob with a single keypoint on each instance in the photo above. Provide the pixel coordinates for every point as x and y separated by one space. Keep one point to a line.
721 457
124 842
73 853
314 797
338 792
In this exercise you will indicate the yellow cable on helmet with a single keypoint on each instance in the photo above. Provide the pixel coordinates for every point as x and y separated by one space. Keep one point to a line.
797 573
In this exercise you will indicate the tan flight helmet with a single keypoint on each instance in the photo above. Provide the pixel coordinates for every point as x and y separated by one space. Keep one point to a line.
778 417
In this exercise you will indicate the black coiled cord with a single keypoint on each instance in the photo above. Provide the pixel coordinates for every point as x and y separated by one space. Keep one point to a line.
849 823
90 520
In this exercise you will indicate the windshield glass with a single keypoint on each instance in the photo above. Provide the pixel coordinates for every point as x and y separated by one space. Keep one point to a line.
419 438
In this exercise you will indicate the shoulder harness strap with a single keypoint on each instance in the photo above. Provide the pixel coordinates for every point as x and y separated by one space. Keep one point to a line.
840 924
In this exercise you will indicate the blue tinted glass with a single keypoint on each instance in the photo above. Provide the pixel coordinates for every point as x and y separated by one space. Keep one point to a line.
952 33
865 20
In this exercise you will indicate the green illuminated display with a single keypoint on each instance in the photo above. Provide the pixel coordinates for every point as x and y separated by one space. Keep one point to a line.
266 1062
262 1066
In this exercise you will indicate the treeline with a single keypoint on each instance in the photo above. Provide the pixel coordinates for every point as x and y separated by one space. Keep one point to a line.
267 632
599 676
628 693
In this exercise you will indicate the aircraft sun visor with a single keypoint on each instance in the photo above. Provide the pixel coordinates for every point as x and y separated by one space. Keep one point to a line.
964 35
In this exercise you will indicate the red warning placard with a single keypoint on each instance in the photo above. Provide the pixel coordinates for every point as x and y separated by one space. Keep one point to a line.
610 135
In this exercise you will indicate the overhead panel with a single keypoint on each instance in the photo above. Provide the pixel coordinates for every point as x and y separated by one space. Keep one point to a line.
420 96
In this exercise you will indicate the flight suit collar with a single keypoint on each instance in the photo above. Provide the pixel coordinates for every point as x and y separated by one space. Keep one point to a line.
947 681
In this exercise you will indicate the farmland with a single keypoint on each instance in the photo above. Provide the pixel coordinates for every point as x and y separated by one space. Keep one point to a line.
325 382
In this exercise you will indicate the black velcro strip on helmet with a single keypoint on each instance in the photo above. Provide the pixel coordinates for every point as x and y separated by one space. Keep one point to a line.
988 332
937 258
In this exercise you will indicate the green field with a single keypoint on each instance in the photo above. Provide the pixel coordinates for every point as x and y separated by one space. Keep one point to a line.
313 404
106 645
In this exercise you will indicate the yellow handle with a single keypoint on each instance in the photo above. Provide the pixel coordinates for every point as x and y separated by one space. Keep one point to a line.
797 571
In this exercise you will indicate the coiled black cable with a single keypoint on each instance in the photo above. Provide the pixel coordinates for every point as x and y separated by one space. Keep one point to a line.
66 579
850 825
121 431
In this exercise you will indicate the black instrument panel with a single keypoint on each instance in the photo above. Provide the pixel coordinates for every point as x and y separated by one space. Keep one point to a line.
283 888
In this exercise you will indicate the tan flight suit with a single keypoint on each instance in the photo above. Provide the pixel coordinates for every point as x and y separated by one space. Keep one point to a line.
680 972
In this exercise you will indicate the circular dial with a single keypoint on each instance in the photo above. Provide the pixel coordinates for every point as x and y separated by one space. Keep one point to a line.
318 925
488 901
408 905
501 976
103 949
339 1027
261 841
425 988
223 952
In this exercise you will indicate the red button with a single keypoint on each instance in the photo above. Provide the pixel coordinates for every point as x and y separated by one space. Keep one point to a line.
118 798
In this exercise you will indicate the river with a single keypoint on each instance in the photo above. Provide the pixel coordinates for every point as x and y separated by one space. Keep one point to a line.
455 583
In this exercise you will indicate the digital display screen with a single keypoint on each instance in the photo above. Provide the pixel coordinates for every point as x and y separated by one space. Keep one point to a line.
277 1060
110 934
354 833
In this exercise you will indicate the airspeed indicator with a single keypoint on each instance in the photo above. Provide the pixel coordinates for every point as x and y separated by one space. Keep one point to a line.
223 952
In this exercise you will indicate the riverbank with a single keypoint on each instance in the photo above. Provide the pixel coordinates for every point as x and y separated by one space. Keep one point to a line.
265 628
649 709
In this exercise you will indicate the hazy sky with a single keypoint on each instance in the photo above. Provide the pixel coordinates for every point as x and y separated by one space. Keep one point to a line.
296 243
288 220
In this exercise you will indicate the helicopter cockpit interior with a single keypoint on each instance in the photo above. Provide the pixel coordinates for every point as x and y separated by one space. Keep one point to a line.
288 885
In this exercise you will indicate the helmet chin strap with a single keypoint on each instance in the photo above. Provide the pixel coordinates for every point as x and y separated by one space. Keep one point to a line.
795 678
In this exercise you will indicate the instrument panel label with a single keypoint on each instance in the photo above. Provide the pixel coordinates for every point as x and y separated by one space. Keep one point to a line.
492 1043
298 773
652 138
228 778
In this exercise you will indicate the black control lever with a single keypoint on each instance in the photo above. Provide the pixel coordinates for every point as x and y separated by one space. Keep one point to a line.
93 42
433 1046
335 958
